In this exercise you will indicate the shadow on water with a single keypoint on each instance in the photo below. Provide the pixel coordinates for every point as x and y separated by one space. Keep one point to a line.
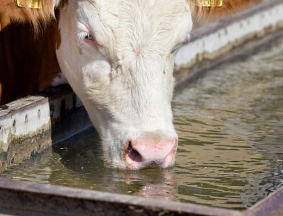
230 126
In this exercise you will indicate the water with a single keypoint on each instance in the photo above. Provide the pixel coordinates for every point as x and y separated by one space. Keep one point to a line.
230 126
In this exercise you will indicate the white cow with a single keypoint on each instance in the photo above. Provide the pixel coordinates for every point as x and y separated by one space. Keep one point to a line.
118 56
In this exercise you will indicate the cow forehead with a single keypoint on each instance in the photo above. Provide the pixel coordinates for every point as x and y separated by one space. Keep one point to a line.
148 18
164 14
115 6
140 22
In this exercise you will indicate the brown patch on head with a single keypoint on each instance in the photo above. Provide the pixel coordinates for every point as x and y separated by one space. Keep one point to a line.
228 7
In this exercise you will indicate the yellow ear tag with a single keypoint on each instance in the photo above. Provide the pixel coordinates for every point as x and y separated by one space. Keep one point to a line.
32 3
209 3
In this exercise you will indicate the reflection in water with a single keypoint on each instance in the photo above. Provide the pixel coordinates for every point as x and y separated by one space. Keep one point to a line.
231 132
230 126
78 162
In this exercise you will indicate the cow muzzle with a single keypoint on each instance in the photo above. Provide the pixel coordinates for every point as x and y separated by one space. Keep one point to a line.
150 153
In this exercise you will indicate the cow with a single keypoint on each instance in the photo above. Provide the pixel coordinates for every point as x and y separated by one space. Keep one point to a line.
118 57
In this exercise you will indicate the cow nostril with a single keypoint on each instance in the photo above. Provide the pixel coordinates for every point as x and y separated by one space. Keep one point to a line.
133 154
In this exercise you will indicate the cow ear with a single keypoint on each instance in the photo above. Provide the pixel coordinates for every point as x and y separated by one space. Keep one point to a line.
211 9
36 12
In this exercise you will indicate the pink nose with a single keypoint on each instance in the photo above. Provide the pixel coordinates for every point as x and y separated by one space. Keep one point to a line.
150 153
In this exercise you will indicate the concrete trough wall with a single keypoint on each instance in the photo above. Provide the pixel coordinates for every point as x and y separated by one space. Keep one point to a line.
225 38
30 125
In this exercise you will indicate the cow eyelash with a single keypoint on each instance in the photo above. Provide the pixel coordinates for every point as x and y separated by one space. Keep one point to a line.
87 36
87 39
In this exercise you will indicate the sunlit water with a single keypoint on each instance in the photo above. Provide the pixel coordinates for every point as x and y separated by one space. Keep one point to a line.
230 154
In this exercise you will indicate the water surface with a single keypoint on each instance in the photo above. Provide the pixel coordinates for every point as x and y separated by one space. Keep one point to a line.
230 127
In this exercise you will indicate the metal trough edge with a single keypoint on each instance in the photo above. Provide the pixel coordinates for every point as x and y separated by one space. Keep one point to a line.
270 205
31 197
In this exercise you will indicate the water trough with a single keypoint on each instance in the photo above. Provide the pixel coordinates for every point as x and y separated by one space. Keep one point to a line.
30 125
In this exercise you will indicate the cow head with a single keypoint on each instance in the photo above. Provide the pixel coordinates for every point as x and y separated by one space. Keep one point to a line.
118 56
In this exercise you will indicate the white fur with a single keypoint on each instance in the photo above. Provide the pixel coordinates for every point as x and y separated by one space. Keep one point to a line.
59 80
127 85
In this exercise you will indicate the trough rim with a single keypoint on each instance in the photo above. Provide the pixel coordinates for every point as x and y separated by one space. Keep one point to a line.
219 24
99 196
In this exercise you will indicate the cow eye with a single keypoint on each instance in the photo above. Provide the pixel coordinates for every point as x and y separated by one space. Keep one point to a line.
88 37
